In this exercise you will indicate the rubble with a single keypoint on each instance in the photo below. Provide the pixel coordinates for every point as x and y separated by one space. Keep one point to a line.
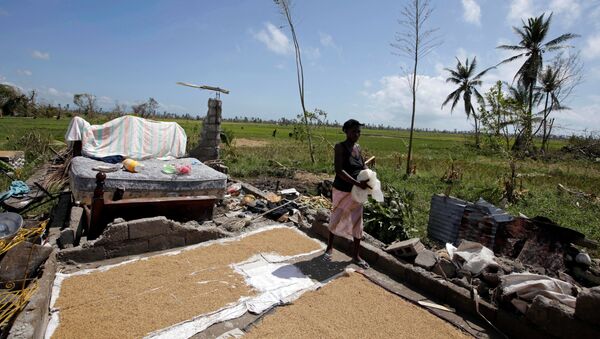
426 259
588 304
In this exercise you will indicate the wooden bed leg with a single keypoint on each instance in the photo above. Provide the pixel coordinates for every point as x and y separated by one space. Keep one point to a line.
96 226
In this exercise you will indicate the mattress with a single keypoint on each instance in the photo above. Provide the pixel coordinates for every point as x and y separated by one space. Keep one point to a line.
150 182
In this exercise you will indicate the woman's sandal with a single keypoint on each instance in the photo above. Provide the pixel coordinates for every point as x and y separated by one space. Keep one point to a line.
327 256
361 263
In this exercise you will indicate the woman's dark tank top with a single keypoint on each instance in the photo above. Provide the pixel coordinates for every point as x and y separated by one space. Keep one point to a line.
351 164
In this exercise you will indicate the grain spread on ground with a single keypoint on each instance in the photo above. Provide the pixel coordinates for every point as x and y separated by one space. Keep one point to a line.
352 307
134 299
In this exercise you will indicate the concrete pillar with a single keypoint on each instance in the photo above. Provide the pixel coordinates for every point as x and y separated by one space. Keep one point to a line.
208 148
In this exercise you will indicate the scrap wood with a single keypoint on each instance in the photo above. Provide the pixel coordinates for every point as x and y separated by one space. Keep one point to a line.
590 196
434 305
315 202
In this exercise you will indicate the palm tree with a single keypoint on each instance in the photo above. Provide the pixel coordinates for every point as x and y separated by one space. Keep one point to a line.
518 100
532 47
463 76
550 82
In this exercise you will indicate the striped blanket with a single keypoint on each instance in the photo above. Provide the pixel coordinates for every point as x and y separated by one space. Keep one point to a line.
130 137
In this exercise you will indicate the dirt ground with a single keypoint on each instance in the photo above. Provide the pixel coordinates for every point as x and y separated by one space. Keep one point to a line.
240 142
303 182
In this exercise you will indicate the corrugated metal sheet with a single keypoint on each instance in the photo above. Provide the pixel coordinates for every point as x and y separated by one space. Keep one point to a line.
445 215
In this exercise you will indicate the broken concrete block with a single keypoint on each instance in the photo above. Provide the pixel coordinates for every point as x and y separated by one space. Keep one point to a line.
445 268
406 248
67 237
112 234
557 319
82 254
163 242
148 227
426 259
23 259
588 304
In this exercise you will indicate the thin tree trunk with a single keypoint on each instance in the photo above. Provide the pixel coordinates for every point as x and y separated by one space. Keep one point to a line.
528 128
300 79
414 93
412 120
544 122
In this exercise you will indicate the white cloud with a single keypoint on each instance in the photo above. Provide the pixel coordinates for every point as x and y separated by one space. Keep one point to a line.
40 55
367 83
53 92
326 40
274 39
392 104
472 12
567 10
312 52
24 72
591 50
520 9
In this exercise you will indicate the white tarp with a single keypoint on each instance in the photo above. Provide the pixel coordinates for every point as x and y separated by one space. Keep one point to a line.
528 285
471 256
128 136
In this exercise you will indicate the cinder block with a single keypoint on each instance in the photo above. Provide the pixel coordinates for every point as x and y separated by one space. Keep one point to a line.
406 248
67 237
148 227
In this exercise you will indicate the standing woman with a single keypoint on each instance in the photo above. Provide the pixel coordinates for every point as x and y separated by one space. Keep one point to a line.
347 214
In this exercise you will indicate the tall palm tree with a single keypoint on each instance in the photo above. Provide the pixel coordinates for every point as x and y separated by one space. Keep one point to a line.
518 100
532 47
464 76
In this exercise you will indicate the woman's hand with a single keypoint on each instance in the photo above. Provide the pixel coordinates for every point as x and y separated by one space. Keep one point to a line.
363 184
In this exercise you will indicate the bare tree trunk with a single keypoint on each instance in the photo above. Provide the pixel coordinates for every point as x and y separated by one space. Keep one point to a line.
412 120
299 75
528 127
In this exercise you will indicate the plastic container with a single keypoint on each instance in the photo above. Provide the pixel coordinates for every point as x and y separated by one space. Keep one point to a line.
132 166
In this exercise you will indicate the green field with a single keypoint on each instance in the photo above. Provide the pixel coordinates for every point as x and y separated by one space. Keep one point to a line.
483 172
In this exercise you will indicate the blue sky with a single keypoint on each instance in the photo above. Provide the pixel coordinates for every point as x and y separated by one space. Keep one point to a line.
128 51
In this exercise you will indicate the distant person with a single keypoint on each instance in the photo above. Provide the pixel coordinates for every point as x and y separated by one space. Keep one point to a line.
347 214
274 133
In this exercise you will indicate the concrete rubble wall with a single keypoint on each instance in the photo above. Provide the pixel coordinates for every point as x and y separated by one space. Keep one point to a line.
123 238
208 147
544 318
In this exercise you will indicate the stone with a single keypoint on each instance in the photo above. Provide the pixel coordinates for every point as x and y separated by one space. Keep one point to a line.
406 248
23 260
587 277
67 237
322 214
588 305
148 227
82 255
426 259
163 242
445 268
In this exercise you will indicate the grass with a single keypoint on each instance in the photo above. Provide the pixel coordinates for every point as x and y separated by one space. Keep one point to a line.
483 172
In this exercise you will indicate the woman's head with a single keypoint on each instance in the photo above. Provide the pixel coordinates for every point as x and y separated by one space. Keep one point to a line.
352 130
